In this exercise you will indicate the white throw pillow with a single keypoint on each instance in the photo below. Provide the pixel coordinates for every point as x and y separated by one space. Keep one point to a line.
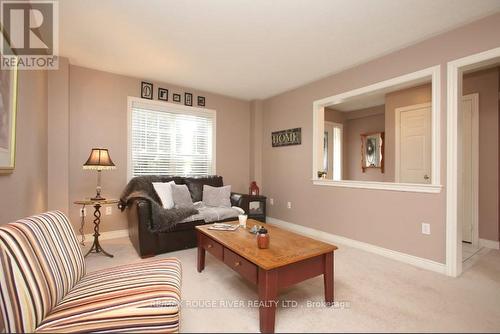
217 196
164 191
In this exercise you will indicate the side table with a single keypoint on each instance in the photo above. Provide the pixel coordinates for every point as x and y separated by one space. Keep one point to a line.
97 204
254 206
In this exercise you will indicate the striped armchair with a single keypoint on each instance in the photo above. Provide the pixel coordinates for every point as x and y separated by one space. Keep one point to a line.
44 287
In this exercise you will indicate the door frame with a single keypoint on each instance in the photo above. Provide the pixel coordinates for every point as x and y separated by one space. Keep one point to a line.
341 127
397 153
455 70
474 97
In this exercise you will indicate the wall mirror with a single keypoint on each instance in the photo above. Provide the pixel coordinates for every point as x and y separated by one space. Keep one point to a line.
383 133
372 151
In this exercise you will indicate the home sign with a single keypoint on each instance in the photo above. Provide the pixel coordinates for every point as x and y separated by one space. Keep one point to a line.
287 137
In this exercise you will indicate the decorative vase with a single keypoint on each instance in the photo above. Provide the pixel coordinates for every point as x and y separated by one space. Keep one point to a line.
254 189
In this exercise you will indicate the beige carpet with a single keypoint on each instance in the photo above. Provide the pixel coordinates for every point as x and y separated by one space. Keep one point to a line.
380 294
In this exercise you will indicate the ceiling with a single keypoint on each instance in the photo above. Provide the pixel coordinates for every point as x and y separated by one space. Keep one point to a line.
249 49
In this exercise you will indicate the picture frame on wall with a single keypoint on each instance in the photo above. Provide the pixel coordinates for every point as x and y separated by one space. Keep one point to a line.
146 90
8 114
176 97
162 94
201 101
188 99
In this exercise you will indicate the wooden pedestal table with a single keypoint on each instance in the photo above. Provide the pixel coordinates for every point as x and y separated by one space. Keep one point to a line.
97 204
290 259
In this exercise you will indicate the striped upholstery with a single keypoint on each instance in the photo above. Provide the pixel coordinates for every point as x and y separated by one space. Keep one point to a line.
43 286
142 297
40 263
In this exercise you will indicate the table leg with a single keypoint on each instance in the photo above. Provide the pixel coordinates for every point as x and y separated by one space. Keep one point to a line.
201 258
268 293
96 246
328 278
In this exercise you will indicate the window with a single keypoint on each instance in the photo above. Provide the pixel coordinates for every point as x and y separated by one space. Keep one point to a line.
168 139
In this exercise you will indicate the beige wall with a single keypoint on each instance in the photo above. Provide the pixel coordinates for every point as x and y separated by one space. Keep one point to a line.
485 83
24 192
58 138
398 99
98 118
385 218
332 115
256 126
356 124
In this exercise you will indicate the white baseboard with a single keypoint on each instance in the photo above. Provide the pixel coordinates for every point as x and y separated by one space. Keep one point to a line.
335 239
489 244
105 235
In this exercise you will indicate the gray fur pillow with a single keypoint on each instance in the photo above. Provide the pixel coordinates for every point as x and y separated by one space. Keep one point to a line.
217 196
181 196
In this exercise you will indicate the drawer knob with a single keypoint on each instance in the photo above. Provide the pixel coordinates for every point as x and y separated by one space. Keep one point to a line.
209 246
237 264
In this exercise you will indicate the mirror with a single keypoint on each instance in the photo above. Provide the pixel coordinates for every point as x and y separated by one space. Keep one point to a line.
381 136
372 151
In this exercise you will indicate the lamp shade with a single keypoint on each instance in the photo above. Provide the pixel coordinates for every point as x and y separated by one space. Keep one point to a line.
99 159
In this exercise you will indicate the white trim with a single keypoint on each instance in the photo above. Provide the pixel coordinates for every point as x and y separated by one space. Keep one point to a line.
397 140
318 113
105 236
492 244
336 239
475 167
175 108
390 186
454 81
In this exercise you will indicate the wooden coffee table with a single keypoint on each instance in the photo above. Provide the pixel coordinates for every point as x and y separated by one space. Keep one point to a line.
291 258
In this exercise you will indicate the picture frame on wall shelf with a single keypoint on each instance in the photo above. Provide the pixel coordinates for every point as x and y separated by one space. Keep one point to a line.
146 90
201 101
176 97
8 115
162 94
188 99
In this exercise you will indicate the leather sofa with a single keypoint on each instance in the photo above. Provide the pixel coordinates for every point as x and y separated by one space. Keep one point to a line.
183 236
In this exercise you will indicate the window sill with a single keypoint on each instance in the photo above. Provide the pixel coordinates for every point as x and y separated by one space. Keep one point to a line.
406 187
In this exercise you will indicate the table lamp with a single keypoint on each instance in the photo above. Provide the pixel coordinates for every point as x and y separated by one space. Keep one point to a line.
99 160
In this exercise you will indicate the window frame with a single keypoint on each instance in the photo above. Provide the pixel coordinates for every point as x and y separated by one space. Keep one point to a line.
170 108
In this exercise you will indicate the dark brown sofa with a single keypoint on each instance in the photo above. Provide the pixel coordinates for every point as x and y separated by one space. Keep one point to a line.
183 235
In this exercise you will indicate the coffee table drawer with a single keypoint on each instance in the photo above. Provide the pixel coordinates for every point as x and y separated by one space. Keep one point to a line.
244 267
211 246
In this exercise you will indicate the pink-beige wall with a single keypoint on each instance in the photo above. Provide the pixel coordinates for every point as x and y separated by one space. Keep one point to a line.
98 118
485 83
398 99
388 219
24 192
354 127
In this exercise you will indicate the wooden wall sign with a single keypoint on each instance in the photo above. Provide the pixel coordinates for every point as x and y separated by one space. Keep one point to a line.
287 137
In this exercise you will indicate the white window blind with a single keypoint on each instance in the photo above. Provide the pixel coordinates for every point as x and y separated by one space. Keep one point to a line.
169 141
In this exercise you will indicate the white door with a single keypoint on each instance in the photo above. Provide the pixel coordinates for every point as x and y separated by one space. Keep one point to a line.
413 144
469 164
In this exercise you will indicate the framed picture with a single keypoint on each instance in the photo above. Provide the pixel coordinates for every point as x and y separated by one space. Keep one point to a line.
176 97
163 94
8 111
146 90
201 101
188 99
